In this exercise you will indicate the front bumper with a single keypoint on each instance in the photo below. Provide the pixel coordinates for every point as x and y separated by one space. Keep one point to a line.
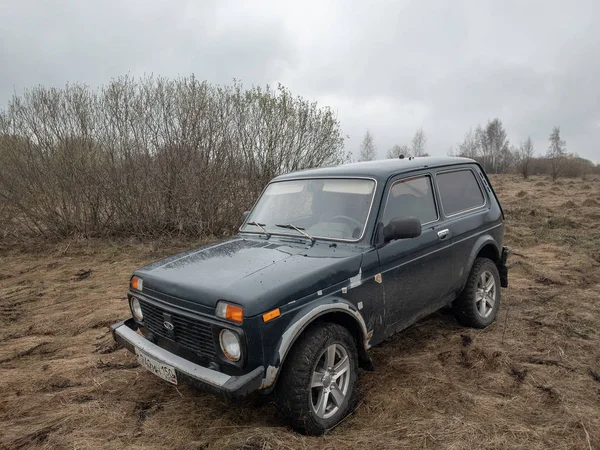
124 333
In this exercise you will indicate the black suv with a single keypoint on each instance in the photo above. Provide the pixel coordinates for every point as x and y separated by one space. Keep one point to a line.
328 263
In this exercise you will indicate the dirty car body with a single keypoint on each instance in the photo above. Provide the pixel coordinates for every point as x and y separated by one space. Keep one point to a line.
371 247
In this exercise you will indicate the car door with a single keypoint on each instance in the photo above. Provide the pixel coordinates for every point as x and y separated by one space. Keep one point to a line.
415 272
466 209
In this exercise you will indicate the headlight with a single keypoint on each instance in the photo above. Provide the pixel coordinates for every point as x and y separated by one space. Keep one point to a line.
230 312
230 344
136 309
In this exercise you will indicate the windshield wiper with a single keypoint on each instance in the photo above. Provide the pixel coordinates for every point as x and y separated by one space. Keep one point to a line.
261 226
298 229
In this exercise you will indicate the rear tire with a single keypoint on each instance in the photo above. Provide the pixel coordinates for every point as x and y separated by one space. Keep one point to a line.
478 304
317 387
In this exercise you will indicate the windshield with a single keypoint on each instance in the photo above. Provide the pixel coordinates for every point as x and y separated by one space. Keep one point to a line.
321 207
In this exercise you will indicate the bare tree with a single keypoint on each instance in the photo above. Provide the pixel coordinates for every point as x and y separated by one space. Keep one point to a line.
484 147
418 143
494 145
524 157
506 158
367 148
398 150
469 148
556 153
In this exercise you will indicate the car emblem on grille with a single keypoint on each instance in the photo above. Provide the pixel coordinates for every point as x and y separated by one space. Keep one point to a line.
168 325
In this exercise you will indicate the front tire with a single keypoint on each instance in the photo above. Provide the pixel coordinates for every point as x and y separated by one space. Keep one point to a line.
478 304
317 387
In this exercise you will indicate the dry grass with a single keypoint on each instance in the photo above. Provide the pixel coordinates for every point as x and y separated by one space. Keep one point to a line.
529 381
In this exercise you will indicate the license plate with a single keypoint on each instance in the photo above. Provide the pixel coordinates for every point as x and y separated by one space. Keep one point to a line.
158 368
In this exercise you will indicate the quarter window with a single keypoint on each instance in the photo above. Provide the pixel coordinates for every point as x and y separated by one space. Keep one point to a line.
459 191
411 197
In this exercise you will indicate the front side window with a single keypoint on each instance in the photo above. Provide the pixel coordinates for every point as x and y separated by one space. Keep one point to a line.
459 191
412 197
322 207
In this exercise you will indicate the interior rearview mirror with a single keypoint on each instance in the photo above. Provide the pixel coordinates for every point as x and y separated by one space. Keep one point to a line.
245 215
408 227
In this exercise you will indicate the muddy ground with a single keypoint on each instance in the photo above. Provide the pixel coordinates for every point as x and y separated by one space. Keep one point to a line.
531 380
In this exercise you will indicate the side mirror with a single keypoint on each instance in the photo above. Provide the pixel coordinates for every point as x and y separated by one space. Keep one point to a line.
245 215
409 227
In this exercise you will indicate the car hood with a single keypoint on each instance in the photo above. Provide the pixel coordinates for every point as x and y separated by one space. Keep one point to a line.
255 273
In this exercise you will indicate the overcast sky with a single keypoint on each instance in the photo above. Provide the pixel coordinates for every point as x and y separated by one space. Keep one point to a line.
387 66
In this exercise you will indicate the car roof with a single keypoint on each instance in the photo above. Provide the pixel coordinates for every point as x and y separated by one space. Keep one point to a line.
380 169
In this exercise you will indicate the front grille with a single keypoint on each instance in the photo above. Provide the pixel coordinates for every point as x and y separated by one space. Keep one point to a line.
190 334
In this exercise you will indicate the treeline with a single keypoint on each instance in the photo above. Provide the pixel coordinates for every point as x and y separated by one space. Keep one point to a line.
152 156
368 151
490 146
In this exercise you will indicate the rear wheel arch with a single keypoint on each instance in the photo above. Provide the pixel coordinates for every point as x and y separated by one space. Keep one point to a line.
485 247
490 251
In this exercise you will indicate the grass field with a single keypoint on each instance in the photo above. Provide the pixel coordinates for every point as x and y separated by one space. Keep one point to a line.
531 380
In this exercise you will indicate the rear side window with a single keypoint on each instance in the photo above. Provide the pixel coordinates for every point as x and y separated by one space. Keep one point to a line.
459 191
411 197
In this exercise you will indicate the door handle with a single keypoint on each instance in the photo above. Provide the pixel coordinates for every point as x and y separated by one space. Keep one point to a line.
443 234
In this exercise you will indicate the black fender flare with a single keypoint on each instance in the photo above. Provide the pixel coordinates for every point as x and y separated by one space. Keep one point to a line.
303 318
481 242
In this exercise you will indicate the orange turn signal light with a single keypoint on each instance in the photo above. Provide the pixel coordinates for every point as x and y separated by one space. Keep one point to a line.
137 284
274 314
234 313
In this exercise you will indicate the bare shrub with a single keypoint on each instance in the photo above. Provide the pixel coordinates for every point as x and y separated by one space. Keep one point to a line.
153 155
524 156
397 150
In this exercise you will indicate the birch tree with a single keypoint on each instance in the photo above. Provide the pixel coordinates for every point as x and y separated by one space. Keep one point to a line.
556 153
367 148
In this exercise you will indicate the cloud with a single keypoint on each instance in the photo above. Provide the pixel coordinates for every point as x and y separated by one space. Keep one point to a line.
388 66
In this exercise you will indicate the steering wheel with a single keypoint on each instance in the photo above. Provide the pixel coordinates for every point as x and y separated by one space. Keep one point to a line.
348 219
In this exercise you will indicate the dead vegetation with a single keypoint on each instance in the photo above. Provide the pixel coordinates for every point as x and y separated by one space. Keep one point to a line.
151 156
529 381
